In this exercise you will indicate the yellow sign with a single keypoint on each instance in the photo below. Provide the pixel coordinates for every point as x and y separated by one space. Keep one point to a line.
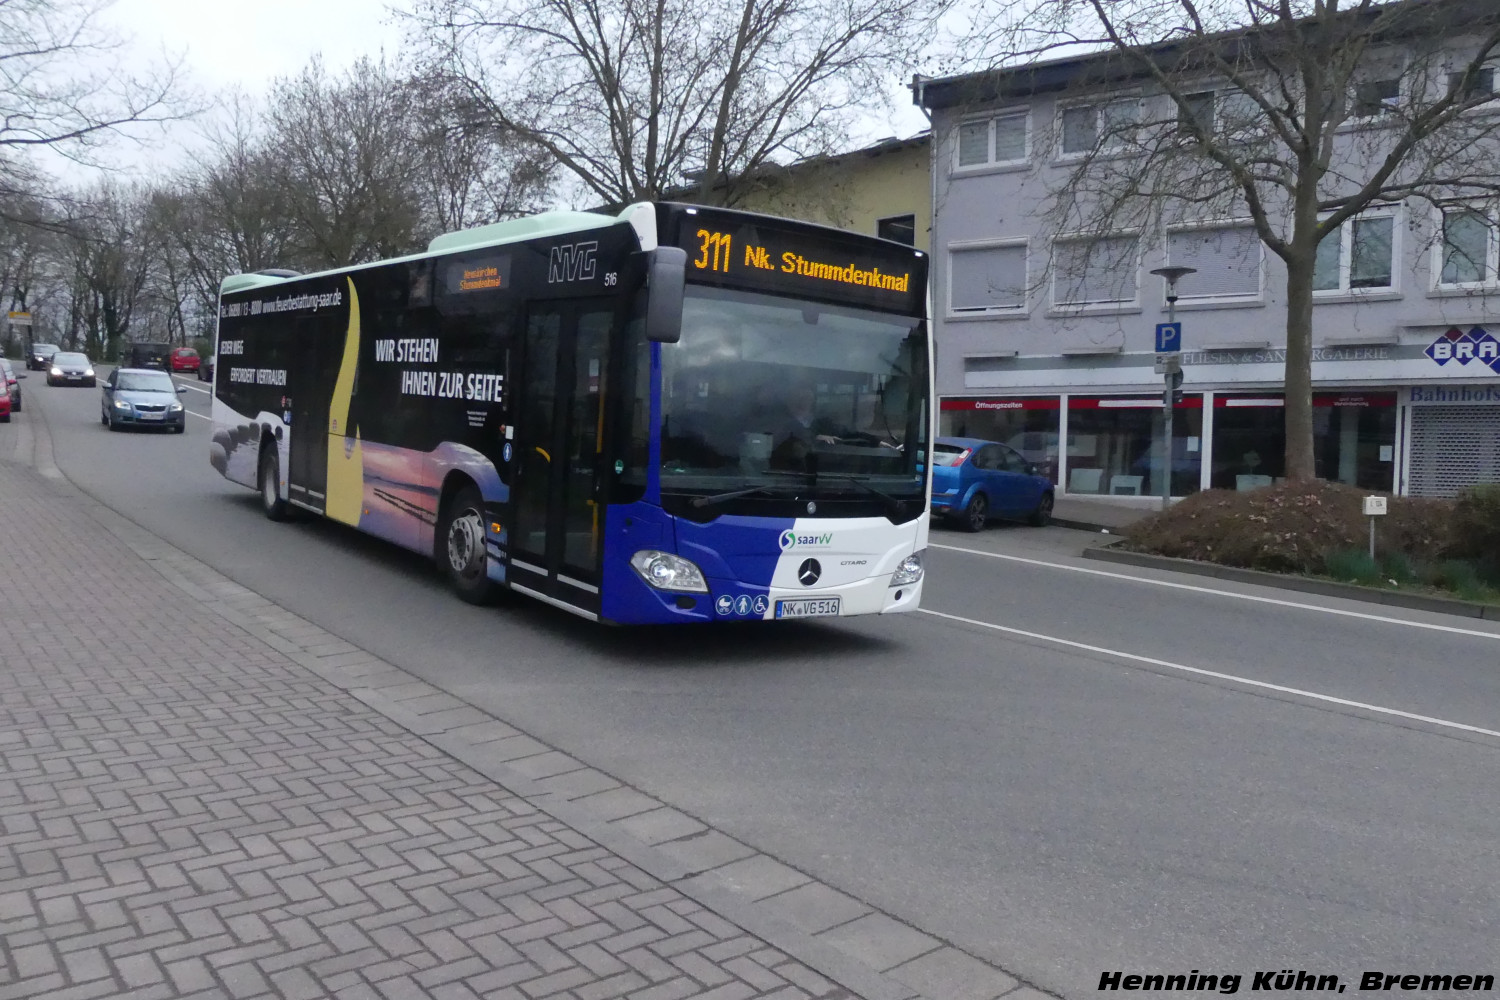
20 318
714 254
477 278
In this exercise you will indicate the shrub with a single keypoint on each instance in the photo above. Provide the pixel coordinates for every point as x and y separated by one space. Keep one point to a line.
1475 524
1455 574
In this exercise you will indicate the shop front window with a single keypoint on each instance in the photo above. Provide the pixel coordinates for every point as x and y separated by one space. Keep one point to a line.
1030 426
1354 436
1114 446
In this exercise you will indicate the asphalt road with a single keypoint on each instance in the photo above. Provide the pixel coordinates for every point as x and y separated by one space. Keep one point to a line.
1151 798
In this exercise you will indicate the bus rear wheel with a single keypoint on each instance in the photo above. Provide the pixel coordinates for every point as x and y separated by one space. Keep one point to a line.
461 547
269 480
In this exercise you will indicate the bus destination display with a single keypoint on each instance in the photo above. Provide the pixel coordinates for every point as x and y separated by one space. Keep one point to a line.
750 255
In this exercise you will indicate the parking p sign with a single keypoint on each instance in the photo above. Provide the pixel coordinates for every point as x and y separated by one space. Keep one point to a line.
1168 338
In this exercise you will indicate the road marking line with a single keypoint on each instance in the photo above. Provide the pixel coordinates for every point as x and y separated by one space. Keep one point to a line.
195 388
200 416
1200 672
1226 593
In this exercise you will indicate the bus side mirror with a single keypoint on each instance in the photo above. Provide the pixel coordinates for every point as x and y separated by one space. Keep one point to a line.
664 290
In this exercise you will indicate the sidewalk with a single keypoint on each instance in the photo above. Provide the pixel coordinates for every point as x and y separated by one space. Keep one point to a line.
202 795
1114 515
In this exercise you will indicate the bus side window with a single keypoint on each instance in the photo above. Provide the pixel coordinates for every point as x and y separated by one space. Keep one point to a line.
634 410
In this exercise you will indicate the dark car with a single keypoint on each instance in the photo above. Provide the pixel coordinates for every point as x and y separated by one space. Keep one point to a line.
206 368
142 397
974 481
147 356
40 356
12 384
68 368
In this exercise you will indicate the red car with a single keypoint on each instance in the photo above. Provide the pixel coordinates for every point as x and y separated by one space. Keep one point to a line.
4 407
184 359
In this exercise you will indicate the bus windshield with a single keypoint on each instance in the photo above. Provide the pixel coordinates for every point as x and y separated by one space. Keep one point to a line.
764 391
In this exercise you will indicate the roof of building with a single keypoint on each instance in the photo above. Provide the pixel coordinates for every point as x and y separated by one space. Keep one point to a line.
1108 65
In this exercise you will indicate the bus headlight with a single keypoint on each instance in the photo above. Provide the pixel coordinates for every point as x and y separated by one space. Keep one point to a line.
664 571
909 571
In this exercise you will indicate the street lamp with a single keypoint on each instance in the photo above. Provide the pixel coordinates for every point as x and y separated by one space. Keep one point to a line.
1173 378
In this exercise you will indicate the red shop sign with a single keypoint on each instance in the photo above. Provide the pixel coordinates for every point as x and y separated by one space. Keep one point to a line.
1046 403
1355 400
1187 402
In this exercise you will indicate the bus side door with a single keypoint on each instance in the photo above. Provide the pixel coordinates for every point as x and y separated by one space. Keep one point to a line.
313 366
557 518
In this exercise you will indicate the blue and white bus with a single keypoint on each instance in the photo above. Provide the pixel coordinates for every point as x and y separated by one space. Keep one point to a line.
676 414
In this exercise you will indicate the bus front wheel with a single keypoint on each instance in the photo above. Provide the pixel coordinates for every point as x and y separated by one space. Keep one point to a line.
269 479
461 547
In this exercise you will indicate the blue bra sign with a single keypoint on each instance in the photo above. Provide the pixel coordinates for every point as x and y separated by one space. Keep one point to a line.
1476 345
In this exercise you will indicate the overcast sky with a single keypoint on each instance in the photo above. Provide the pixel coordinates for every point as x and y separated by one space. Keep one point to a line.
224 46
227 44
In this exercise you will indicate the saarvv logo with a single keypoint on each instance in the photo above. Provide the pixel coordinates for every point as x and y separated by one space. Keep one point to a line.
790 540
1476 345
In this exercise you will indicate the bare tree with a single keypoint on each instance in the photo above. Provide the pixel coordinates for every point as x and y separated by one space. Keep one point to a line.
636 97
350 161
229 214
112 264
62 82
1296 114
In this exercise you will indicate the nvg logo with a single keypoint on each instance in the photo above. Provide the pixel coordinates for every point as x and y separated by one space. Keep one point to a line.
572 262
790 539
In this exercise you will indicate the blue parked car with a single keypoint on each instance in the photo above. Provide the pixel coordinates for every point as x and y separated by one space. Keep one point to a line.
974 481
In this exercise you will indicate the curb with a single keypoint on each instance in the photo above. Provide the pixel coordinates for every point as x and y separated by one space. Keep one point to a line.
1065 522
1323 588
873 955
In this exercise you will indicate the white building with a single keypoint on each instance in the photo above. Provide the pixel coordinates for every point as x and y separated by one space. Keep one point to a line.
1043 339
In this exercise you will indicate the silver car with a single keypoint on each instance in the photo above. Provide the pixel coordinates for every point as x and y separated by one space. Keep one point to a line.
142 397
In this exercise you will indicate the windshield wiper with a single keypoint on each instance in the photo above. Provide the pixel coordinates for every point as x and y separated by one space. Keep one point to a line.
897 506
721 497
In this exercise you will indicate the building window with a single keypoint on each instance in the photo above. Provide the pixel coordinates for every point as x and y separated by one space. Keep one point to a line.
997 141
1114 446
1373 98
1361 255
1197 118
1228 262
1469 248
1030 426
1238 113
985 279
1107 126
1102 272
1481 84
901 228
1354 437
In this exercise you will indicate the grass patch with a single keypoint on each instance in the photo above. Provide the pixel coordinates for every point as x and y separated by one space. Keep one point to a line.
1354 566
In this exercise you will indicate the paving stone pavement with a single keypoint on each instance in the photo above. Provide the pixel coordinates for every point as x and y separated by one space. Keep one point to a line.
203 795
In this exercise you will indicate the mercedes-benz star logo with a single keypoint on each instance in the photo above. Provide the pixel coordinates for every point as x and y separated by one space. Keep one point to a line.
809 572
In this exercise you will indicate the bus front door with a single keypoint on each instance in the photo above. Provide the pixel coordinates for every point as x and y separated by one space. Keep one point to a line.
557 518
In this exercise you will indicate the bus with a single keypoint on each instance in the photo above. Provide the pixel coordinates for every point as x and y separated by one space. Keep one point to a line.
674 414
